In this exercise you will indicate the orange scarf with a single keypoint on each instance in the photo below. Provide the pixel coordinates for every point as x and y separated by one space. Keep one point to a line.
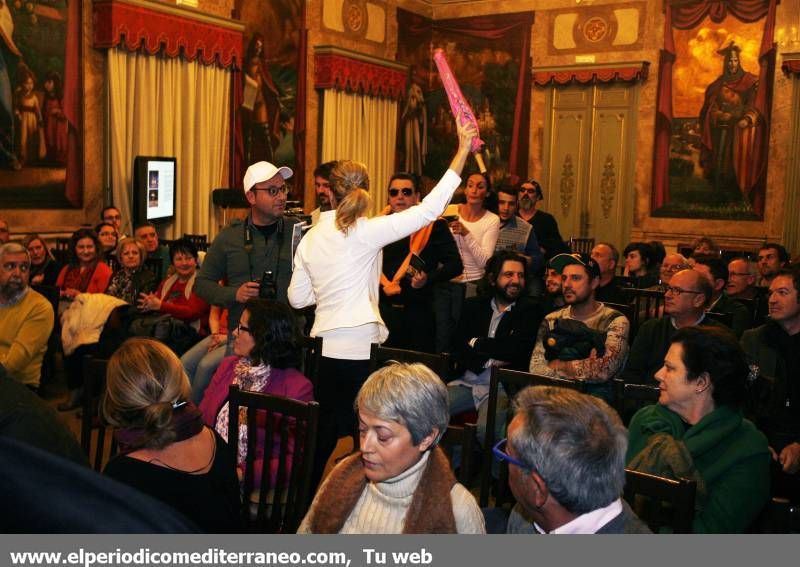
419 240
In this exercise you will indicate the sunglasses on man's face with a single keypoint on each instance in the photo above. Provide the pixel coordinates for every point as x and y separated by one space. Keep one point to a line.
407 192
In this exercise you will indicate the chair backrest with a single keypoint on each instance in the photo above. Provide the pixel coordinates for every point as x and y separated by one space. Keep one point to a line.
155 265
630 398
292 425
312 354
513 381
646 304
623 308
94 386
463 437
380 355
581 245
200 241
665 502
51 294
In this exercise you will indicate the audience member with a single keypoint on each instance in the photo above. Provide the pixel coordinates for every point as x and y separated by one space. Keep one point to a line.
322 188
412 267
166 451
517 234
107 236
86 272
337 267
112 216
5 231
585 340
566 465
44 268
639 263
704 246
132 278
266 352
773 351
202 360
400 481
672 264
497 328
544 224
685 300
26 319
742 276
147 235
610 290
697 431
176 295
252 256
771 258
715 270
553 297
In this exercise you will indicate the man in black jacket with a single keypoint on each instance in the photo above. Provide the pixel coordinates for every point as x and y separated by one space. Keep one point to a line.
497 328
412 266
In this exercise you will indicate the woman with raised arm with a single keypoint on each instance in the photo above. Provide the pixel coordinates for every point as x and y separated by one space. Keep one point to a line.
337 267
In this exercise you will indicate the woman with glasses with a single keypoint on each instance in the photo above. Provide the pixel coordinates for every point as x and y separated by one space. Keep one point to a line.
165 450
44 267
337 267
400 481
266 351
697 431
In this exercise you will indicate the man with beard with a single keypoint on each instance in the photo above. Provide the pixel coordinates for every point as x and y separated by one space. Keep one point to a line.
322 187
580 278
553 297
26 319
412 266
497 328
772 350
771 258
544 224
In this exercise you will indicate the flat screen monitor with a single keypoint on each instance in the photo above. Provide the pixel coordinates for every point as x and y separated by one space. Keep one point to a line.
154 189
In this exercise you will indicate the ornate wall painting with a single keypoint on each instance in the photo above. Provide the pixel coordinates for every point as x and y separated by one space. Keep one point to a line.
267 110
489 57
713 119
40 104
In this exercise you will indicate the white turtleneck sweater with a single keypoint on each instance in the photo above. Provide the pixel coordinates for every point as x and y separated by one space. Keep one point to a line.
382 506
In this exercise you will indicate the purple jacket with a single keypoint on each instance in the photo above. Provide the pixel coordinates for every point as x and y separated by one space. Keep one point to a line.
287 382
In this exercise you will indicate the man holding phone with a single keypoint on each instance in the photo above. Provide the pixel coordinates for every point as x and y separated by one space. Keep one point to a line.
412 267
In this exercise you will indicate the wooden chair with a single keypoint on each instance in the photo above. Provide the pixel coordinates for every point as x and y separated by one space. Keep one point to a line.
581 245
280 507
61 251
513 381
646 304
630 398
666 502
380 355
462 436
155 265
312 354
51 294
94 385
623 308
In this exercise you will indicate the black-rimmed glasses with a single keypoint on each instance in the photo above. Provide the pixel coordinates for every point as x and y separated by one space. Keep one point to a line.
274 190
677 291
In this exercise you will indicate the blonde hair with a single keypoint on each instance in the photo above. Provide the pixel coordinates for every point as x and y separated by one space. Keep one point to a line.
143 381
350 183
127 241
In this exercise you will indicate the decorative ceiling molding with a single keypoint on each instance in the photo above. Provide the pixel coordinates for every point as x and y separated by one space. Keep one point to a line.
168 29
342 69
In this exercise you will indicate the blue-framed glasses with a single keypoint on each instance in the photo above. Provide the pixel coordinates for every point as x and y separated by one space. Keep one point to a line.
499 452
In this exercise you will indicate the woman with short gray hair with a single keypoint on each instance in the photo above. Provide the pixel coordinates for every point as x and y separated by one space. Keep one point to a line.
400 481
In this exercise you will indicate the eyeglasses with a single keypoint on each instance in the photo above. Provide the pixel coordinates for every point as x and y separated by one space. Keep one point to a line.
407 192
23 267
273 190
742 274
674 267
677 291
240 328
499 452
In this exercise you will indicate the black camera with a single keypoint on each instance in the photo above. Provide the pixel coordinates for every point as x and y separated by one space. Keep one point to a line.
269 287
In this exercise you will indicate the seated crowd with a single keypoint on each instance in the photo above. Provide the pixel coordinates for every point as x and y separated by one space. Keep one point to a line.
495 287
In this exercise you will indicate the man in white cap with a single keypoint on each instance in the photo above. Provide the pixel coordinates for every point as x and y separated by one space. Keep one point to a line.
253 256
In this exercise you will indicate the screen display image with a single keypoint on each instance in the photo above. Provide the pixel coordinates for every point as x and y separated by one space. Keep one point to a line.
154 188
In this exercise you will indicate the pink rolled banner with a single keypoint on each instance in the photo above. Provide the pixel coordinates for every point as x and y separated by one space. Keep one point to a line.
458 103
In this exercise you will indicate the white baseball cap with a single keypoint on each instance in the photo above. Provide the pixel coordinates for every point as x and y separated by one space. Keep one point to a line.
263 171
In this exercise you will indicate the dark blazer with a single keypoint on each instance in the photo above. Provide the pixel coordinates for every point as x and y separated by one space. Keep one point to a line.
513 341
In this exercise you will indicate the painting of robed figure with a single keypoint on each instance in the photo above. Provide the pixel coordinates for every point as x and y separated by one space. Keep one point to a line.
713 112
40 104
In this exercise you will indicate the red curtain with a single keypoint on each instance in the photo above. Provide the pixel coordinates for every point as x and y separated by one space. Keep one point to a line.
685 17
